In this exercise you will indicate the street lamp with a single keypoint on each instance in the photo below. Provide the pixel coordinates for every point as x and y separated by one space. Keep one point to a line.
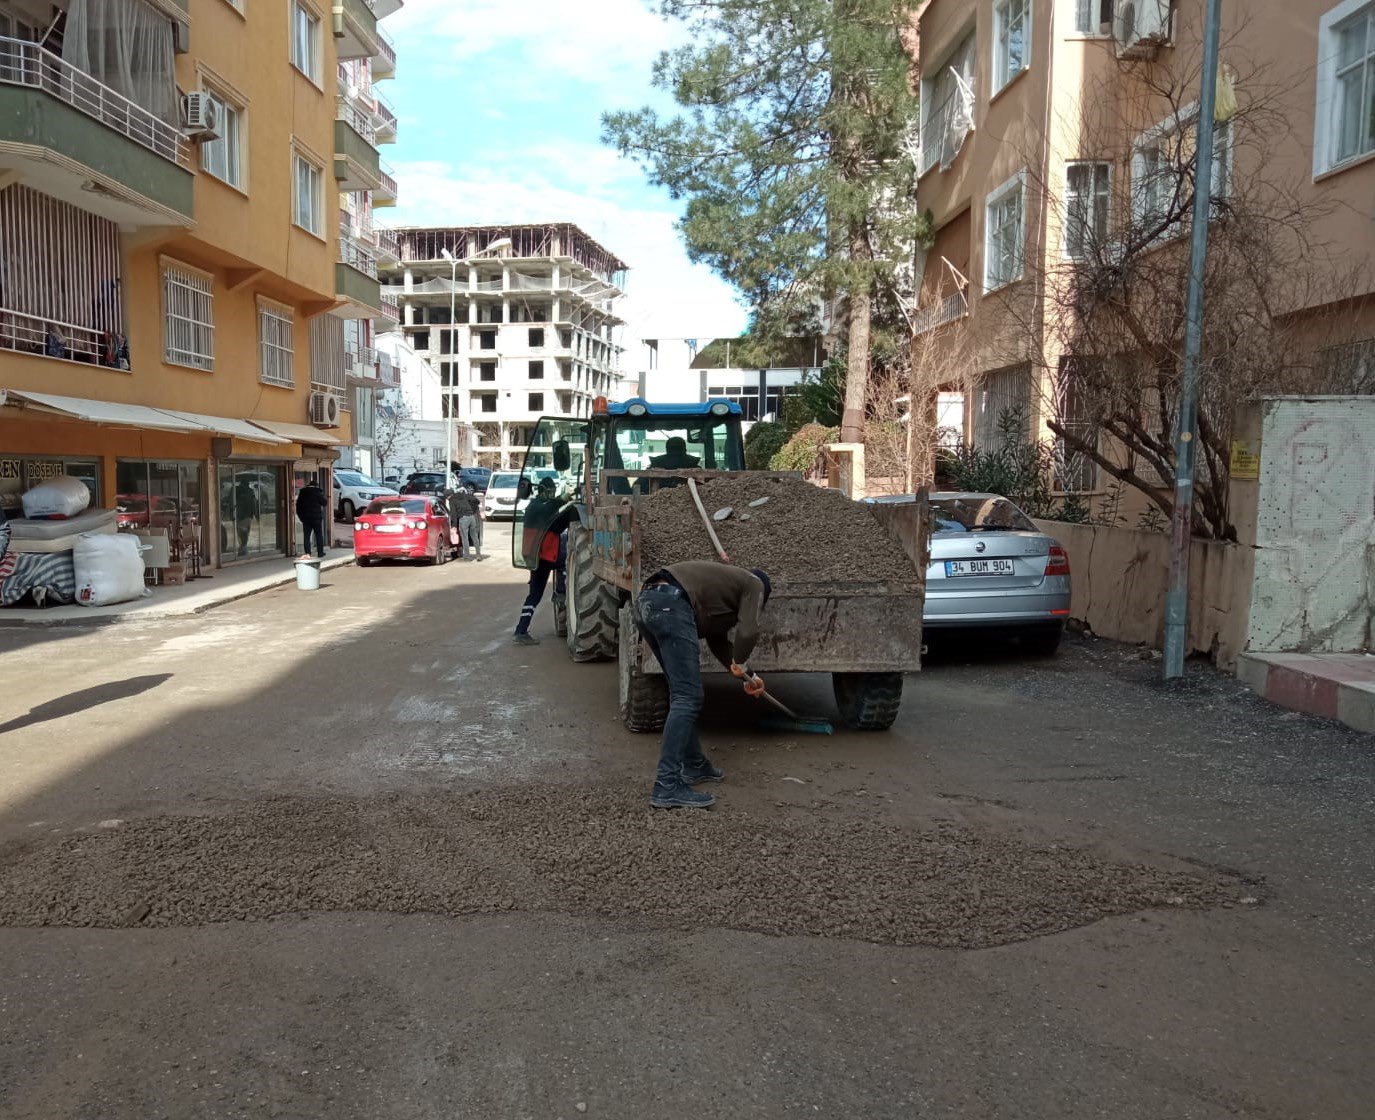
450 399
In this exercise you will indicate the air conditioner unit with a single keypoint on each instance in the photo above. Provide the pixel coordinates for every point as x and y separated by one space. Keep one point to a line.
324 410
200 117
1139 27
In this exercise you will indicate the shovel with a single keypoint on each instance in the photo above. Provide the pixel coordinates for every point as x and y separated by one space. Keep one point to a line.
793 722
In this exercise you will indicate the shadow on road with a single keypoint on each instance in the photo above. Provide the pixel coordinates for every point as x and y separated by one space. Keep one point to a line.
85 699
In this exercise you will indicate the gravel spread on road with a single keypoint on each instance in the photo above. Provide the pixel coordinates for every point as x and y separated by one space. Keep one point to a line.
600 851
803 534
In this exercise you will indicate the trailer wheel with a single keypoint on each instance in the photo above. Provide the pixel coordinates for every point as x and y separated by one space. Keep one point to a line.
644 696
592 603
868 701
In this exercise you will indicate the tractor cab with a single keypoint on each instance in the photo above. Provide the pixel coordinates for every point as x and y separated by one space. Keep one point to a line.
621 449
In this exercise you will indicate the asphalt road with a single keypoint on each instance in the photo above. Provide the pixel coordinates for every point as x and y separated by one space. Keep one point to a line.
354 854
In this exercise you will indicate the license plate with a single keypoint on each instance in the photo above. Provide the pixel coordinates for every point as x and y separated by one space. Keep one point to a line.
979 568
389 528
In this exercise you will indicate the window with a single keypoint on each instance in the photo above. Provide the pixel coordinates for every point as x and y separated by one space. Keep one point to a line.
275 342
1003 234
448 373
537 338
487 340
223 156
536 370
308 209
305 41
421 340
1349 368
1075 471
1163 172
1003 404
536 402
187 316
947 106
1087 193
1345 125
487 371
1011 45
489 402
1093 17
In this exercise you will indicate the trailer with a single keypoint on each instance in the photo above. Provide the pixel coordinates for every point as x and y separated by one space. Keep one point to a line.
867 635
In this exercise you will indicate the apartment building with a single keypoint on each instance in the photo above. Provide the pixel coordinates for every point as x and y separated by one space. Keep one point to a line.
177 293
519 320
1057 145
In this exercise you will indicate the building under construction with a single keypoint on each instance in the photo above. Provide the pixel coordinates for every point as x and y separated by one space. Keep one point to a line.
520 321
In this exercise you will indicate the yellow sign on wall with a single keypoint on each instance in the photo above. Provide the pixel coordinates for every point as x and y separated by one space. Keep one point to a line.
1245 461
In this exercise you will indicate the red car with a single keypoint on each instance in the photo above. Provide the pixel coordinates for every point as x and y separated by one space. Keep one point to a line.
412 528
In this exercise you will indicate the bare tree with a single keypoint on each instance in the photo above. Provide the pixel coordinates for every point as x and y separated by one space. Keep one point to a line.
1102 316
393 415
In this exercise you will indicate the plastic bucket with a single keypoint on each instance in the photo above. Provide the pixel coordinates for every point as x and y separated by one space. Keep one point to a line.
308 573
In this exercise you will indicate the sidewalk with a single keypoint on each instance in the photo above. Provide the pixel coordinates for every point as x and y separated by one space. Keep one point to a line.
1340 686
220 587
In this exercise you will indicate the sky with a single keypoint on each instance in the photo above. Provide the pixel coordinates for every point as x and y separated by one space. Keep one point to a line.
499 107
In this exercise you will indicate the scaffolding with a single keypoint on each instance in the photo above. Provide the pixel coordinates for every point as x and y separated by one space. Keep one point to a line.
552 241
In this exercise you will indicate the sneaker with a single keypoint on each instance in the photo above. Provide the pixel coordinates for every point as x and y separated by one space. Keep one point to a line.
704 771
679 798
525 640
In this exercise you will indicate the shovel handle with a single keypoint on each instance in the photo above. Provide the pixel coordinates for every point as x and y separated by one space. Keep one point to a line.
706 521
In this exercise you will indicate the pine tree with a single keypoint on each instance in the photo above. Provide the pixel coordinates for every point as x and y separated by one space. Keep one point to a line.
789 154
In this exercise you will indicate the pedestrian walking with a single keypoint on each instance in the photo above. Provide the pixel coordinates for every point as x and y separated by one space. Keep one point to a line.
679 607
543 546
312 507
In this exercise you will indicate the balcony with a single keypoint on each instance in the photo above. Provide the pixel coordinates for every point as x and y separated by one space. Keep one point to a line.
355 29
384 61
949 309
385 116
70 136
388 247
355 153
384 194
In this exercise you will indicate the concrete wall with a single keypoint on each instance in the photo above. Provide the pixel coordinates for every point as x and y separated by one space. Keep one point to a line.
1119 578
1315 525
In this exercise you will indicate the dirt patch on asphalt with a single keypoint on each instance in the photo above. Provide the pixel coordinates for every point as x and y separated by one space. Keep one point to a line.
595 852
802 534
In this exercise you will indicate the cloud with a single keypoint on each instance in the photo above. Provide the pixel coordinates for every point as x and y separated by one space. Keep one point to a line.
611 43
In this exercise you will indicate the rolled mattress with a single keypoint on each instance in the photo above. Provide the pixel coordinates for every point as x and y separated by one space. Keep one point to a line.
37 537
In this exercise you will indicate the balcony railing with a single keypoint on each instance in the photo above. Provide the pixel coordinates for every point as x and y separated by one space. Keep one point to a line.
387 243
391 304
388 180
28 64
355 254
33 334
385 47
386 114
357 120
949 309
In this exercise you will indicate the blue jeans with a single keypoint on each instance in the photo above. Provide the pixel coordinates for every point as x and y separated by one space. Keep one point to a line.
671 631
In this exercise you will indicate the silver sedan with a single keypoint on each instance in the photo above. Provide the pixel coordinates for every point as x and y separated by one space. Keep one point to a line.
993 570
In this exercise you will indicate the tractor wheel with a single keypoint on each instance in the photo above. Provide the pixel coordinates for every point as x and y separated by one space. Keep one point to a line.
868 701
592 603
644 696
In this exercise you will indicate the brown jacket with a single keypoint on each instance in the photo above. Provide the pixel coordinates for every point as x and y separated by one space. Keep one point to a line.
722 597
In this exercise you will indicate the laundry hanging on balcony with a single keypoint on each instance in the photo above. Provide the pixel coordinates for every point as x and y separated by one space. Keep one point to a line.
128 46
960 118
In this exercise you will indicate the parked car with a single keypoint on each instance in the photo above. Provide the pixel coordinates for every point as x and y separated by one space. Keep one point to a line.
353 490
433 483
502 501
475 479
402 528
993 571
140 511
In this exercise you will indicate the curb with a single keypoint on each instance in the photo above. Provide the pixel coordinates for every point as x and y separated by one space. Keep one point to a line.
1305 683
155 614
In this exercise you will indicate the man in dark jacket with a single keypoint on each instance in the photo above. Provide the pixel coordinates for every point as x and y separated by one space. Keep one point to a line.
311 508
679 607
542 544
463 512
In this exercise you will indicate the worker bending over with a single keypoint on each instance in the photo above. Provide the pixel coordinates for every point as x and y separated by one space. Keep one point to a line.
678 607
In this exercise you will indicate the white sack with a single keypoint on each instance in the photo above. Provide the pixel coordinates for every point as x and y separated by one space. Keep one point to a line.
63 496
109 569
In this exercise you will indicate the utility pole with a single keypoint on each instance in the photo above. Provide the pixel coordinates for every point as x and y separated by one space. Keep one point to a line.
450 399
1186 438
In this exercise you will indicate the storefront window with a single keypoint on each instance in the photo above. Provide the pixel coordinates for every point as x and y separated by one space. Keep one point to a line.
19 473
250 510
158 493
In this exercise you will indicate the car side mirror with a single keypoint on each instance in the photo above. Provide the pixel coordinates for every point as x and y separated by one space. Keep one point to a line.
563 457
523 489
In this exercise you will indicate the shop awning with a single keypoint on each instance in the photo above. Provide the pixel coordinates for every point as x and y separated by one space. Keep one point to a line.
298 433
100 412
138 416
227 426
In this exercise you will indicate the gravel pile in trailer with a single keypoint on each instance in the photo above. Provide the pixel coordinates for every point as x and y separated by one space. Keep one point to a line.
802 534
